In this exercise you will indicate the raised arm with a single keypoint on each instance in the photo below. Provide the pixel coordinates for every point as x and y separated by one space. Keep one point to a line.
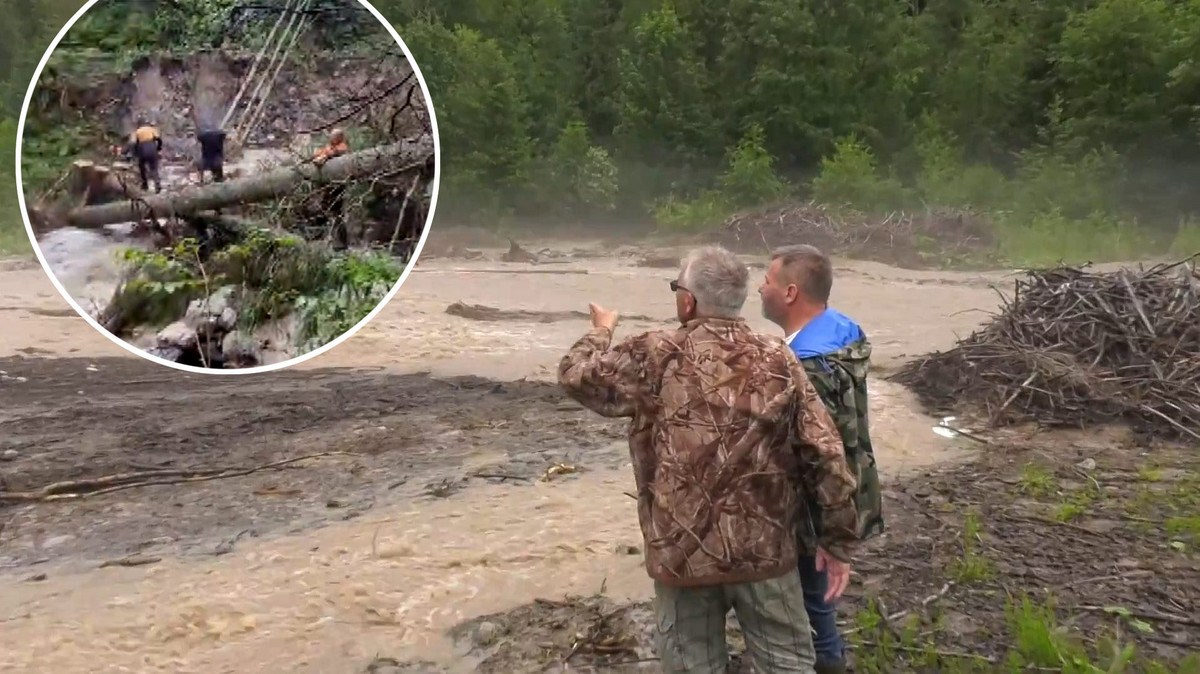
601 379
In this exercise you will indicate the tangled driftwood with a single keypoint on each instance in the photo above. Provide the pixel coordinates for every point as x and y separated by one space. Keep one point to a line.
897 237
1074 347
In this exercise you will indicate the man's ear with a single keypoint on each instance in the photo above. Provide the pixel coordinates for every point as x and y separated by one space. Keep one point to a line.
791 293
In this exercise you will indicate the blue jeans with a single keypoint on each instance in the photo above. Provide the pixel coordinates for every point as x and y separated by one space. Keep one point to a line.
822 615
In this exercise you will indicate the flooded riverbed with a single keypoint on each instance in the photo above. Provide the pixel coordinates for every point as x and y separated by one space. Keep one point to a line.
389 565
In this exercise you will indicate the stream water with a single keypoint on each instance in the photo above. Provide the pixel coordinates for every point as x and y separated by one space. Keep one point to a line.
87 262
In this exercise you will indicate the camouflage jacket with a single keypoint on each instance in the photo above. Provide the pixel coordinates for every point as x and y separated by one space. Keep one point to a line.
840 378
725 427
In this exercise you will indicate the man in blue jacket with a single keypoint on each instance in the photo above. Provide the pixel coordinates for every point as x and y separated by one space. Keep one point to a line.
836 354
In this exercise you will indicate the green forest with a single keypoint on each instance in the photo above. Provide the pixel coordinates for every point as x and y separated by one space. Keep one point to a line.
1072 125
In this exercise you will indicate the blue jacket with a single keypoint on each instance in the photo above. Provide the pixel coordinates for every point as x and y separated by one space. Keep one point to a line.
829 331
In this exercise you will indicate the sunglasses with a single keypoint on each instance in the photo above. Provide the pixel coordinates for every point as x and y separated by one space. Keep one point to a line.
675 287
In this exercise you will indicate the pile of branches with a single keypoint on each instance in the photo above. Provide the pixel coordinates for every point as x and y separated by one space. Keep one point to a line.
810 223
893 237
1073 348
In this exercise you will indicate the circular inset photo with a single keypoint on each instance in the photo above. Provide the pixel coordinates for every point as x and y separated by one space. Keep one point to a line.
228 186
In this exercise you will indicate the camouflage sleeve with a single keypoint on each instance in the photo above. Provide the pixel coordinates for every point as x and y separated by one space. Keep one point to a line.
826 470
604 380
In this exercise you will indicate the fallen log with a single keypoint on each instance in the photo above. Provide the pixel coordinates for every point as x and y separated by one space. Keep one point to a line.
387 159
502 271
68 490
480 312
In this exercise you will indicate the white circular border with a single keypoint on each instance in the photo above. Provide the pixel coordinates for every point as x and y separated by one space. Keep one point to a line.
437 178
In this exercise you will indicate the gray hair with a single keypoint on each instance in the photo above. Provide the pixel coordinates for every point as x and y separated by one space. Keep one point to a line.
717 279
808 268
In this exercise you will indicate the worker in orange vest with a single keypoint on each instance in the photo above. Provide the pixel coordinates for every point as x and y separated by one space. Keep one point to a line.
335 148
331 204
147 144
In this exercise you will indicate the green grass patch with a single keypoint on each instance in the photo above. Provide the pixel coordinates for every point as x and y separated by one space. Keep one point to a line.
1037 481
1050 238
14 240
1183 529
1187 239
1034 640
1077 503
682 215
52 144
1149 473
972 567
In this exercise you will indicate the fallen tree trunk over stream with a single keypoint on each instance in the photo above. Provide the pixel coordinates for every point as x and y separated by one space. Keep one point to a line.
388 159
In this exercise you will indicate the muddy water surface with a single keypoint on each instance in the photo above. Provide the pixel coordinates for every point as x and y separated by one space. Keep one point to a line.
390 581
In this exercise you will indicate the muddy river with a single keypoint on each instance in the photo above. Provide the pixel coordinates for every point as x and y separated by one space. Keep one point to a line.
435 503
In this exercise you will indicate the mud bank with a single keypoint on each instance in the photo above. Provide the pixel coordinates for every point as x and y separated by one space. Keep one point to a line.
383 436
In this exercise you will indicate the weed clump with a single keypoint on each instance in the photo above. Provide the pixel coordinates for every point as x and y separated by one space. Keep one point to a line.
261 280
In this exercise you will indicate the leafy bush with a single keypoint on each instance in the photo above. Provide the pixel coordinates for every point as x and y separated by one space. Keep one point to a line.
583 176
944 180
1048 181
681 215
750 178
276 277
160 285
1049 237
850 177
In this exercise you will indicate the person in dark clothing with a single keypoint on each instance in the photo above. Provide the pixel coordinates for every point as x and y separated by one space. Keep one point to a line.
147 144
212 154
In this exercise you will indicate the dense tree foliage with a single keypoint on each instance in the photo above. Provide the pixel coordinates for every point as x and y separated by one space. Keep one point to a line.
1072 111
1065 113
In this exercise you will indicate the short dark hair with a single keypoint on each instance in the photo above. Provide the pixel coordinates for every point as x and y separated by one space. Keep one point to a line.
808 269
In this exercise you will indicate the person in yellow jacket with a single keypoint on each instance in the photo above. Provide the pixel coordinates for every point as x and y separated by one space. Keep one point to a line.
147 144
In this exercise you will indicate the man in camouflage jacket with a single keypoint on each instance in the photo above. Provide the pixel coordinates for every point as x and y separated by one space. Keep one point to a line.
726 433
836 355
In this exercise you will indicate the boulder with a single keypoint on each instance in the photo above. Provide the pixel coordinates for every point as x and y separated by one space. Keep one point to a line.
240 350
179 335
215 314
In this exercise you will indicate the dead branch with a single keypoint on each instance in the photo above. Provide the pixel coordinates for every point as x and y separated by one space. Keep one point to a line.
134 560
363 106
1147 615
77 489
505 271
924 604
